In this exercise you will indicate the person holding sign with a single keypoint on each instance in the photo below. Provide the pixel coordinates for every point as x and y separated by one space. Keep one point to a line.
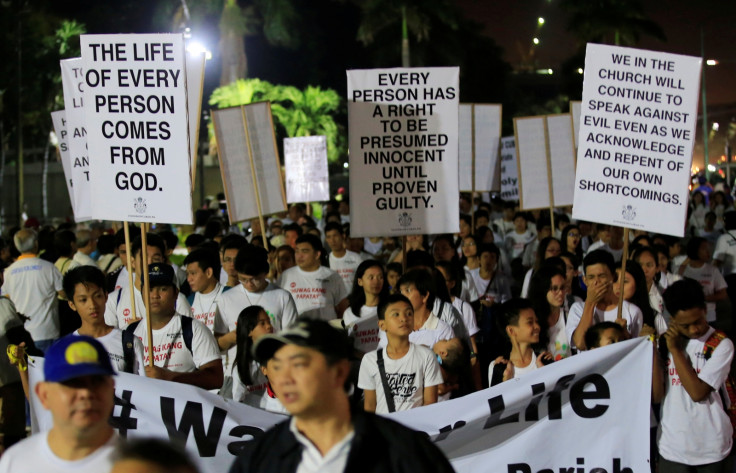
601 303
184 350
319 292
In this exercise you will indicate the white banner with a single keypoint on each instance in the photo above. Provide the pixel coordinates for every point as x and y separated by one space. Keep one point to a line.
637 131
58 118
588 411
509 171
246 142
305 163
72 82
487 136
138 131
403 131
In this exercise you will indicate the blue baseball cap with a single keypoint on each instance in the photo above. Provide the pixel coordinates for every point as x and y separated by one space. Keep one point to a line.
74 356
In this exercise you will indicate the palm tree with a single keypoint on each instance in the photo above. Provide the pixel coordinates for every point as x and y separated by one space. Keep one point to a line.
619 22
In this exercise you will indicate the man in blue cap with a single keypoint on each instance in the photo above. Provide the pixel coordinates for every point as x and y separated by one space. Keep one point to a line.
78 389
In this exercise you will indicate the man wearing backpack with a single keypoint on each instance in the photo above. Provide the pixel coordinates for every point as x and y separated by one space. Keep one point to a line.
184 350
695 431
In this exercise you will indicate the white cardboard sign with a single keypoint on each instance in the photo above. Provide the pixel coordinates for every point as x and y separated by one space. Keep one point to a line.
403 137
246 142
138 131
305 165
487 135
195 82
509 171
637 130
72 81
58 118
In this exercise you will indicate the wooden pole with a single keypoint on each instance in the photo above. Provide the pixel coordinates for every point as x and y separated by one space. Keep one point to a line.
549 177
624 258
129 267
145 291
472 167
253 176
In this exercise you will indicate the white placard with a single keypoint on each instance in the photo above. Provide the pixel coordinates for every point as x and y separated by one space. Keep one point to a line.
562 158
509 171
403 129
138 131
244 134
591 397
305 163
575 110
487 136
637 131
72 81
58 118
195 82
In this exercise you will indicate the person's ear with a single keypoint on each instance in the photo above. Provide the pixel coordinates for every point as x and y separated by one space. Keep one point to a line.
209 272
42 391
510 331
382 324
73 307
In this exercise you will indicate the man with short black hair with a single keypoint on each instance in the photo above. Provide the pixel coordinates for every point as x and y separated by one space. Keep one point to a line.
343 261
308 367
78 389
229 247
318 291
203 266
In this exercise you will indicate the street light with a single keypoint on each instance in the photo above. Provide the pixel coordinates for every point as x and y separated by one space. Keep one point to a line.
540 21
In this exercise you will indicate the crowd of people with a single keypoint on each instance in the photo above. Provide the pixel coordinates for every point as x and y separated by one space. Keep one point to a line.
284 313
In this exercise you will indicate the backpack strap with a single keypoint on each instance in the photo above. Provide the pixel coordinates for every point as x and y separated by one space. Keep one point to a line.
190 298
120 294
128 350
132 326
712 343
384 381
187 332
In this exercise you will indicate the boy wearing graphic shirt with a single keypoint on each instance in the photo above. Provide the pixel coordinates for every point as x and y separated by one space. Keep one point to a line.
695 433
199 365
202 267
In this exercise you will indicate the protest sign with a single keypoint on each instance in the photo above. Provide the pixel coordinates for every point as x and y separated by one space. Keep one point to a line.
637 130
72 82
509 171
58 119
546 160
305 162
575 110
403 139
513 427
487 118
249 161
195 83
138 132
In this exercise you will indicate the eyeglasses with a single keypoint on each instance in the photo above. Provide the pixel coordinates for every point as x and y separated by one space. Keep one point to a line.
574 235
556 288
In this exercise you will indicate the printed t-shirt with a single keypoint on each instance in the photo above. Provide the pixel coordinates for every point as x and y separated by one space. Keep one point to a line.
205 309
363 329
170 350
430 333
32 284
34 454
345 267
316 293
251 394
559 344
631 313
113 343
516 242
119 315
407 377
696 433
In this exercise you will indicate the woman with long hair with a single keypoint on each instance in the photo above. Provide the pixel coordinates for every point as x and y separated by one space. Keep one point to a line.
361 317
547 294
249 382
635 292
548 247
571 241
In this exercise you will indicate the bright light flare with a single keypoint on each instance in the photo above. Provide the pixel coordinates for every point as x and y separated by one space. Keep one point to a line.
535 40
711 62
197 48
540 21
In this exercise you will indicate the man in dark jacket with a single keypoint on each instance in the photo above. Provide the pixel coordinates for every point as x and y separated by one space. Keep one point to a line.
308 367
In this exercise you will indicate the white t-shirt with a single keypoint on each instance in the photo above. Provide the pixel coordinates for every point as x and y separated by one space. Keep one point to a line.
205 309
316 293
515 243
84 259
725 251
122 280
430 333
363 329
468 290
407 377
33 454
251 394
559 345
278 304
32 284
630 312
518 371
118 311
696 433
467 315
712 281
8 320
170 350
113 343
346 267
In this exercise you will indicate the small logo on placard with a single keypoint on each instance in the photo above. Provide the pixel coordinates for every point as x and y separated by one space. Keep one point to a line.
404 219
140 205
628 212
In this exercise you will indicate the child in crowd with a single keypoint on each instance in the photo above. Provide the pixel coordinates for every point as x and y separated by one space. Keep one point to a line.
409 371
393 274
516 241
603 334
695 433
249 382
520 324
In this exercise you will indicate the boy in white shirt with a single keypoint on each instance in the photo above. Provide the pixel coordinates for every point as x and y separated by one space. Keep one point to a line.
410 371
695 433
343 261
202 267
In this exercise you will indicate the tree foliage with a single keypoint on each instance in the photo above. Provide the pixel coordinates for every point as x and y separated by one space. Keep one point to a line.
620 22
297 112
